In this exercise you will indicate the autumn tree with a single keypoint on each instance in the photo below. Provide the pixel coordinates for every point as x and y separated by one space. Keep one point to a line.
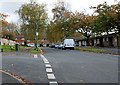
60 21
3 22
4 31
34 19
81 23
53 32
116 16
107 19
104 19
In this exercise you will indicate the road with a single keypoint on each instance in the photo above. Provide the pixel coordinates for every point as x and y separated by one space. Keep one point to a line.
68 66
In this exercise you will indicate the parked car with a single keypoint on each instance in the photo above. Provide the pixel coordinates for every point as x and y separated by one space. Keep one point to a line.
60 46
68 44
31 44
56 45
52 46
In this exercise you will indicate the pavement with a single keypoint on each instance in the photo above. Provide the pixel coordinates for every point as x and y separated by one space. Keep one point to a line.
8 79
108 50
66 67
115 51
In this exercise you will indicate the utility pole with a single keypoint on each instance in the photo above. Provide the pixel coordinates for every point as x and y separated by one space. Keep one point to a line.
36 36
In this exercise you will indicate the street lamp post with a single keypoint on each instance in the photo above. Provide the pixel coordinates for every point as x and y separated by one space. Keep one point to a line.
36 35
36 41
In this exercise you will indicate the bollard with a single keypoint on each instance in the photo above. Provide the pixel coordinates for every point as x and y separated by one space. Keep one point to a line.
16 47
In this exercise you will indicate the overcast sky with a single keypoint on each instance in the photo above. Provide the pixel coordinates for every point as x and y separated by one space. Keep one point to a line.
10 6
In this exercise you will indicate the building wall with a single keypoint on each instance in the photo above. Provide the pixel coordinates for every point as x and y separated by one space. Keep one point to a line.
4 41
103 41
115 42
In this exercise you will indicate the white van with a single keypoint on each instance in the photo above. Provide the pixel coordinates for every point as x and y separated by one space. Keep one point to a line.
68 44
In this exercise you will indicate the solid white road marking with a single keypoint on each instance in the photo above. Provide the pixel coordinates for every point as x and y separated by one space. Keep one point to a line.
48 70
12 64
47 62
44 59
81 81
35 56
47 65
42 56
53 83
51 76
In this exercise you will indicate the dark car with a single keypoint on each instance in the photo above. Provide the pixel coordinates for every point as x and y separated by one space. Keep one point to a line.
60 46
52 46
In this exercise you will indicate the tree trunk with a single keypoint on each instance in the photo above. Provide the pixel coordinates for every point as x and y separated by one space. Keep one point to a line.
25 42
88 41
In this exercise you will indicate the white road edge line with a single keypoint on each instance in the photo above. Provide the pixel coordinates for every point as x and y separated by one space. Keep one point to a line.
53 83
44 59
51 76
47 65
49 70
46 62
42 56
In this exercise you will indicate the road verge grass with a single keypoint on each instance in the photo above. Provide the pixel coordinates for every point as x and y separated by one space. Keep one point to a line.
90 49
34 51
7 48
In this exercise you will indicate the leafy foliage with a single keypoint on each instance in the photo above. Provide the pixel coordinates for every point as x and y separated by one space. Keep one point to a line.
34 19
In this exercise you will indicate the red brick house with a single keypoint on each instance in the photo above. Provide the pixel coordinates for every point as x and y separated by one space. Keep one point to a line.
20 39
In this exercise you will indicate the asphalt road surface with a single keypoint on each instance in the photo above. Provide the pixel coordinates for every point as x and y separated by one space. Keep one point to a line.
68 66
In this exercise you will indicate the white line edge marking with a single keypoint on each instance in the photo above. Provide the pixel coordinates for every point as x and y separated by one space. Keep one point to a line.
47 65
49 70
42 56
53 82
44 59
51 76
46 62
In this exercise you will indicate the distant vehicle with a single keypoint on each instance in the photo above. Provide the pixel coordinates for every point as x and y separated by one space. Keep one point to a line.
60 46
31 44
56 45
52 46
68 44
76 44
44 45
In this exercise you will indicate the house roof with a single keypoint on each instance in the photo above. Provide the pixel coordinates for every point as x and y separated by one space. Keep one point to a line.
19 36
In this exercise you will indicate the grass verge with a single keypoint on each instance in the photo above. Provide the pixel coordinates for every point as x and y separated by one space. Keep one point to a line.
34 51
90 49
7 48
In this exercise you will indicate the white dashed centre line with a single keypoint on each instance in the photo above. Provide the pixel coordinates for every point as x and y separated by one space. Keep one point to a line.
53 83
48 70
47 65
51 76
47 62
